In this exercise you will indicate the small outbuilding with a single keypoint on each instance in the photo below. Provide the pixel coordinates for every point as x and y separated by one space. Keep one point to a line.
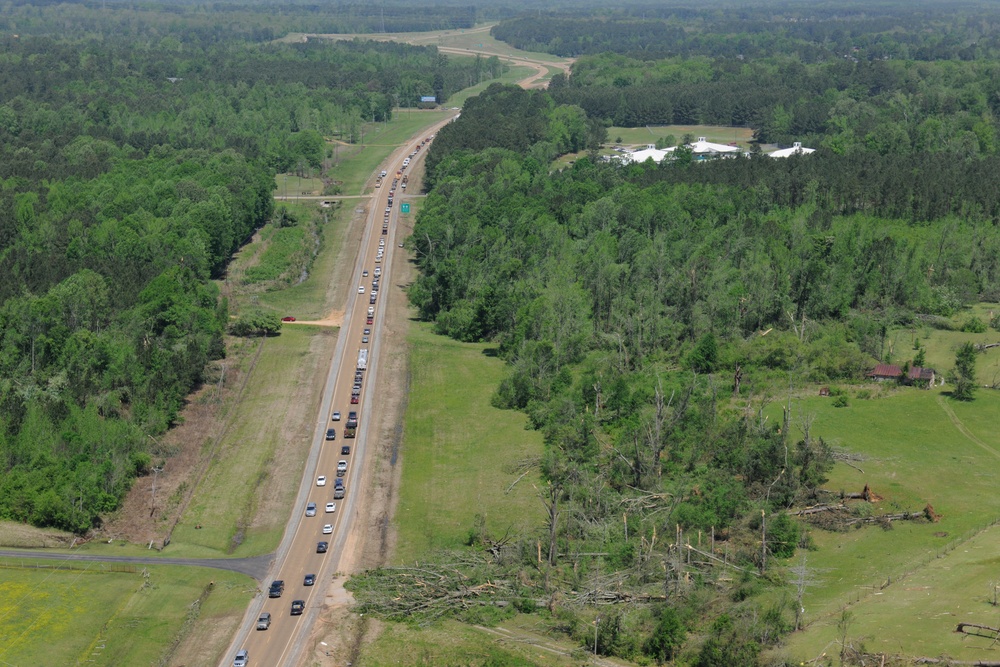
917 376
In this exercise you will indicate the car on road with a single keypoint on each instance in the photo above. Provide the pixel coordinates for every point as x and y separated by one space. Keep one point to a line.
341 467
276 589
355 400
298 606
331 507
309 580
367 331
378 272
331 434
336 416
321 480
381 242
321 547
328 529
242 658
311 509
361 289
288 318
372 299
345 450
370 320
364 339
365 273
264 621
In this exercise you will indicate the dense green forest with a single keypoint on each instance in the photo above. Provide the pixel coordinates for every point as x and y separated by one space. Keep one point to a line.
807 31
891 106
628 301
131 167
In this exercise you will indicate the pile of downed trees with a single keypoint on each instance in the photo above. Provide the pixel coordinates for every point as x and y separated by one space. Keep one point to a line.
841 515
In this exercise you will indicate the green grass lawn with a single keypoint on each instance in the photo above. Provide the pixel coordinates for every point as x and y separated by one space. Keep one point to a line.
716 133
96 616
914 454
458 452
454 643
291 185
512 76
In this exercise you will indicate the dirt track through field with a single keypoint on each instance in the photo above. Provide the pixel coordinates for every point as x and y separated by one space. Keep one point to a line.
963 429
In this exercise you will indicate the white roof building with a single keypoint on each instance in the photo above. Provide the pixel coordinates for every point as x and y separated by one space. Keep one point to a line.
704 147
647 153
796 149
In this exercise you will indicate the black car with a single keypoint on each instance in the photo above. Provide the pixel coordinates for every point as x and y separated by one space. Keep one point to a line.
309 580
298 606
331 434
321 547
277 588
345 450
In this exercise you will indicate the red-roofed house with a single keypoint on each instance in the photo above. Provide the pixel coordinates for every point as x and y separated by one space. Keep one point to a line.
921 377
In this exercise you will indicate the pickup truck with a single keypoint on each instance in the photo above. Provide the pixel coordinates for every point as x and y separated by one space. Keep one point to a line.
264 622
277 588
298 606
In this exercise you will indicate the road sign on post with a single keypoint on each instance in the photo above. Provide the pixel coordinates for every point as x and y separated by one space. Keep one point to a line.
404 208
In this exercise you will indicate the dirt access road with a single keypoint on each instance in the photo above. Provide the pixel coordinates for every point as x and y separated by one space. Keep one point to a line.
507 53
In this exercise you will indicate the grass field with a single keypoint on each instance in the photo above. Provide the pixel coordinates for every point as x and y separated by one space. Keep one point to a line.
93 615
459 452
249 453
917 447
313 298
640 136
513 75
290 185
941 345
453 643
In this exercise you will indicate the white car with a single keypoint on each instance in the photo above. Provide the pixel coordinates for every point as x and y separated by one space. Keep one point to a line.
336 416
361 289
328 529
331 507
381 243
321 480
341 465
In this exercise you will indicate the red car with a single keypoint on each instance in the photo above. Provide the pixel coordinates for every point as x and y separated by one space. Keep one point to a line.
370 320
288 319
354 400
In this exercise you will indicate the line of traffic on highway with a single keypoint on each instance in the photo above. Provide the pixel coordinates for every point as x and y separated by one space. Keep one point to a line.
327 461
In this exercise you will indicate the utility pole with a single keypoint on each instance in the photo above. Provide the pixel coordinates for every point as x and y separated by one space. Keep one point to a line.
152 500
763 543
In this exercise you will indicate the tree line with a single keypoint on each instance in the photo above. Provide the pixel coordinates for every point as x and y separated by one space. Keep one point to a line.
892 106
129 174
814 33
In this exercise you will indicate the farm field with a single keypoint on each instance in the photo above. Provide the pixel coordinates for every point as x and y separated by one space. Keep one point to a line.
94 615
916 448
459 453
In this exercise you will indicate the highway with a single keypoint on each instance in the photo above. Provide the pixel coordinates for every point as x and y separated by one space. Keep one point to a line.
284 642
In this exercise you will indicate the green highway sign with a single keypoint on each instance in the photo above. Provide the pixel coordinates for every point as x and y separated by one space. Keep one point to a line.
404 208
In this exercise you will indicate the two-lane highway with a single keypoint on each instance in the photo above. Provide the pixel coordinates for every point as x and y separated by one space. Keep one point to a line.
283 642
